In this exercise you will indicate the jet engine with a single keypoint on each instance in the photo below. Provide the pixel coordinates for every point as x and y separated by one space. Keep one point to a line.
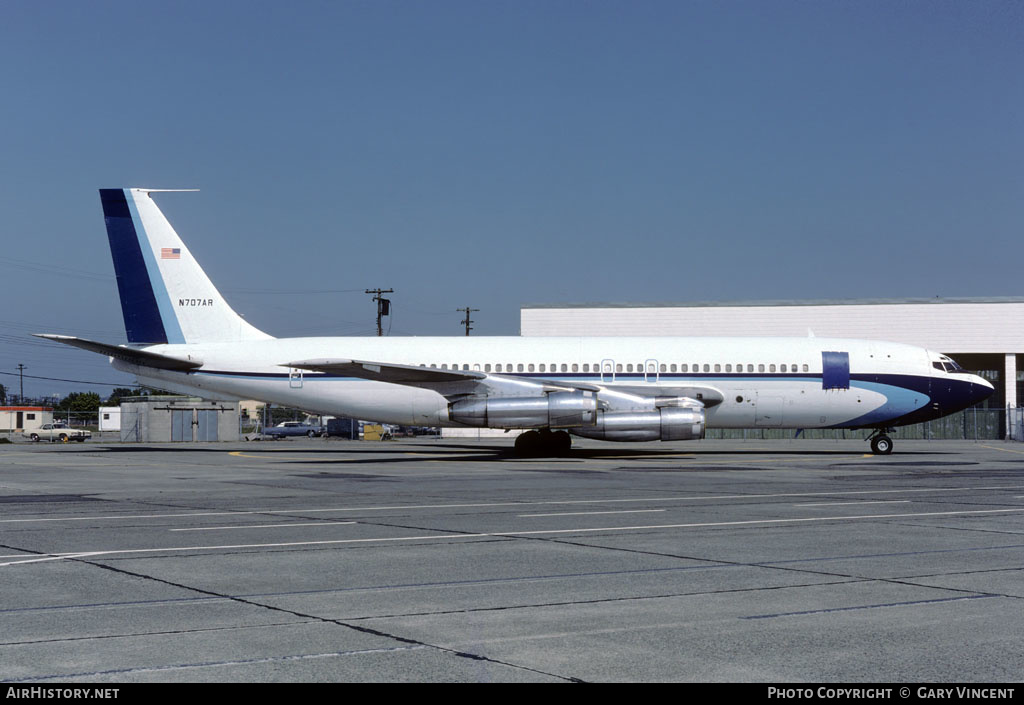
665 424
553 410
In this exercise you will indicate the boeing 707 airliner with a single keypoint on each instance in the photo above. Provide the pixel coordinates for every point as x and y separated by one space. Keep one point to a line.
183 336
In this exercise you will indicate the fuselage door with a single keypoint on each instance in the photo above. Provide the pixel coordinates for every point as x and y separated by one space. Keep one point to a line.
835 370
650 370
607 370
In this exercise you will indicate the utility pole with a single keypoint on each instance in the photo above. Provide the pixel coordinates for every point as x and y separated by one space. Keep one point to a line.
383 305
21 379
467 321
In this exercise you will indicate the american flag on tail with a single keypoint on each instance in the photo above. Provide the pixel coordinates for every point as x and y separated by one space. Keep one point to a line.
170 253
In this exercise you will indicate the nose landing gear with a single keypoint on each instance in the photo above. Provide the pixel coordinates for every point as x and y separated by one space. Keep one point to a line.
881 444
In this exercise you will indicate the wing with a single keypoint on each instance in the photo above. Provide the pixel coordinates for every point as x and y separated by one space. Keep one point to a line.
455 384
131 355
411 375
707 395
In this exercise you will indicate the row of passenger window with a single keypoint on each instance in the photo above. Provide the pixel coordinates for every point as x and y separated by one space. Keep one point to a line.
648 367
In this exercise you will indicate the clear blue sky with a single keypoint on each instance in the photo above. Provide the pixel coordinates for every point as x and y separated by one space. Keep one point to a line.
498 153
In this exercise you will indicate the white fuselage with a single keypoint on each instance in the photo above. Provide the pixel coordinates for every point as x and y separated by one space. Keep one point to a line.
765 382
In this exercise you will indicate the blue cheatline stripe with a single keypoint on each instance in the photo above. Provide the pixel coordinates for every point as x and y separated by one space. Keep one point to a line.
900 401
562 376
142 320
163 300
903 384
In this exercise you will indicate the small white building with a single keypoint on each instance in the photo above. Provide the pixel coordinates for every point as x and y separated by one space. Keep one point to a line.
250 408
24 418
110 418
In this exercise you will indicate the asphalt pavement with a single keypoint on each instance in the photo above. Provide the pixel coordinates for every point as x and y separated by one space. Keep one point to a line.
437 560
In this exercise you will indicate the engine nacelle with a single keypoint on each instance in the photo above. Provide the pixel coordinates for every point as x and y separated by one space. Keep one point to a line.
665 424
554 410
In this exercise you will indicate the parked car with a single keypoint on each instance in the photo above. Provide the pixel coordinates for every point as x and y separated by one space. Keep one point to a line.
57 432
293 428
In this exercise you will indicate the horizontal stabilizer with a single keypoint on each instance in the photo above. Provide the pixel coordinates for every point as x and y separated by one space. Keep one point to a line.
130 355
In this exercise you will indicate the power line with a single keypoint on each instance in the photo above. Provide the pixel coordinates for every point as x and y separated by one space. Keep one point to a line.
47 268
282 292
76 381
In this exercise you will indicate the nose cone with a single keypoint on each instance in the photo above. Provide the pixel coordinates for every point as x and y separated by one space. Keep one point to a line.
981 389
952 393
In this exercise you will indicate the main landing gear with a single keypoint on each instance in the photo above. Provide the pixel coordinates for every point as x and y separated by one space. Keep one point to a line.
545 442
881 444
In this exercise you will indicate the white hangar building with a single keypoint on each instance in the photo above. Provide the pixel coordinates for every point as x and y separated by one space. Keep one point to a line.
984 335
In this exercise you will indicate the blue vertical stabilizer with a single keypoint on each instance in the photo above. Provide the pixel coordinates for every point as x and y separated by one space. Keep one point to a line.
142 322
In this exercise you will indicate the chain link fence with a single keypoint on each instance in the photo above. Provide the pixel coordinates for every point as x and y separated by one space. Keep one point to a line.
968 425
1015 424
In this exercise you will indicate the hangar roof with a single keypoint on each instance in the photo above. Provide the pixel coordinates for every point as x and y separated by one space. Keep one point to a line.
950 325
794 302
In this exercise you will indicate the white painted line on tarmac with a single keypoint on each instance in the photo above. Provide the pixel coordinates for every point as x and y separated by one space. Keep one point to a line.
136 516
266 526
582 514
504 534
844 504
55 557
524 504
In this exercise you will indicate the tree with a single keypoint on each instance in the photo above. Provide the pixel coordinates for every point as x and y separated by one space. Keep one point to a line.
119 393
3 394
80 401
